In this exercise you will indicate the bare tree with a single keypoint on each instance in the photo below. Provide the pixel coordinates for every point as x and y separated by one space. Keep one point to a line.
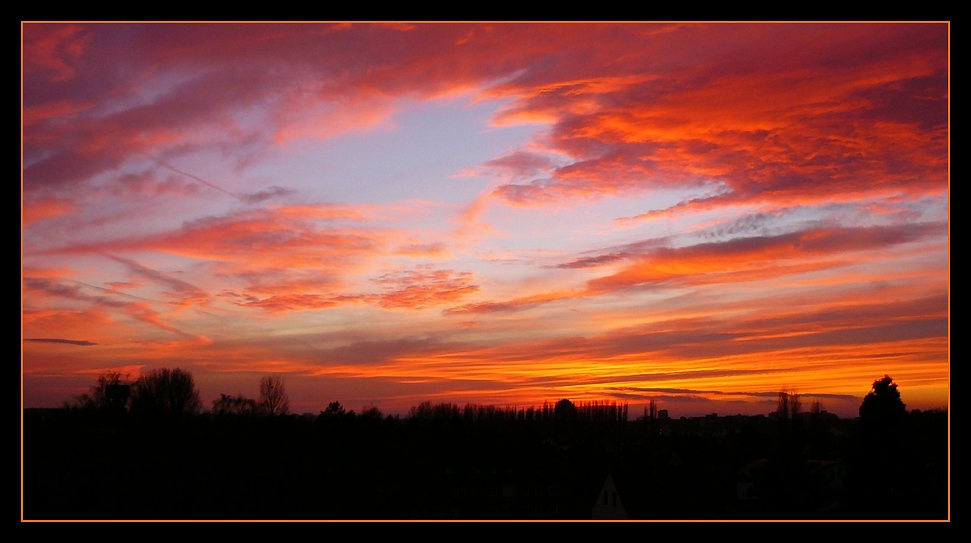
788 406
273 395
650 413
165 391
788 409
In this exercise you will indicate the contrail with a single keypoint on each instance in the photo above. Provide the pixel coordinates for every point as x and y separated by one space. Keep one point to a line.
114 291
164 164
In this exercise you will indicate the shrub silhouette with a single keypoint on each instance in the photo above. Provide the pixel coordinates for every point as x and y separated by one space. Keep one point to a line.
234 406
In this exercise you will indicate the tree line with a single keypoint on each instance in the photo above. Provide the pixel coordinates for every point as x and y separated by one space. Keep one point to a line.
173 392
165 391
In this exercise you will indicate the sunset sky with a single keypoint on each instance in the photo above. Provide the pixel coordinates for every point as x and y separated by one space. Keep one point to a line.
508 214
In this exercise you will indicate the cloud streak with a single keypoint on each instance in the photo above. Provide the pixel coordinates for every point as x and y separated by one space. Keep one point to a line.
79 342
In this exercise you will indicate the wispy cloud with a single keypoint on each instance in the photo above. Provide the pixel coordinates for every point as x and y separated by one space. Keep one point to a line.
187 293
81 342
423 287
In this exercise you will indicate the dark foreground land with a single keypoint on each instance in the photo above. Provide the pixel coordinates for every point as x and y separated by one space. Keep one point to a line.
447 462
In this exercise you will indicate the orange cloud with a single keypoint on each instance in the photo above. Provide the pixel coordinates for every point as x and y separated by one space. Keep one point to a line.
38 289
415 289
326 120
433 249
39 210
751 258
270 238
90 324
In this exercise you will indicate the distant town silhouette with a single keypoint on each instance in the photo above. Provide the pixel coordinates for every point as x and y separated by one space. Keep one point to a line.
147 450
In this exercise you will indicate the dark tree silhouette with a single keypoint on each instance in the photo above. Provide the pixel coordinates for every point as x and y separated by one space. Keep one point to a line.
882 409
653 410
565 410
273 395
878 467
786 463
165 392
372 413
650 414
108 393
334 409
788 407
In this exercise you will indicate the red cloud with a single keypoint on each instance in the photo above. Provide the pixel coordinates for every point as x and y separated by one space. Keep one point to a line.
753 258
51 49
811 121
